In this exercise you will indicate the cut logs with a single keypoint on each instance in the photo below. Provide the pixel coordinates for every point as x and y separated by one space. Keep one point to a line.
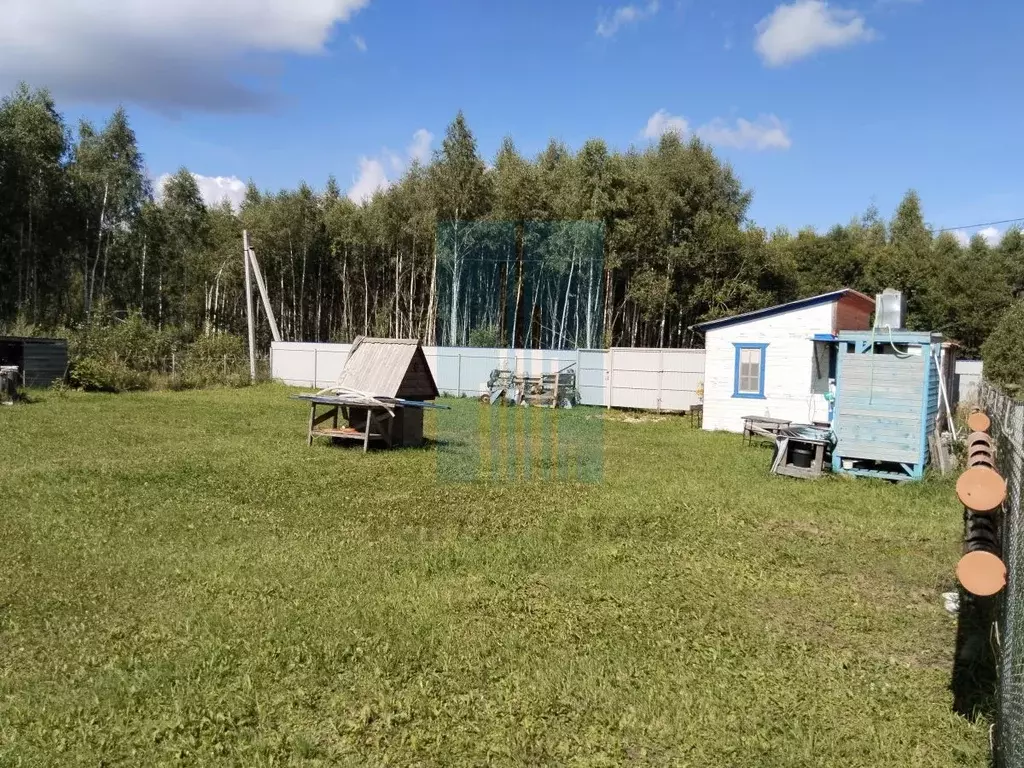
982 491
981 573
979 422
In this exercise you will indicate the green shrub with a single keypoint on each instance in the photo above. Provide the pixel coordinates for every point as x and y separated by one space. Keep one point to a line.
1003 351
484 337
220 359
95 374
131 354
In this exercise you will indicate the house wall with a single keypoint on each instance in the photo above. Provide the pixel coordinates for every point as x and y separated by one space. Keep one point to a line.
788 365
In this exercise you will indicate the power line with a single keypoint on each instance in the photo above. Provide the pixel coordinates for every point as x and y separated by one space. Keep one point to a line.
982 224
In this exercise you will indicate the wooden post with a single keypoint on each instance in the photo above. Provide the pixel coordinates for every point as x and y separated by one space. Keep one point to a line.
366 432
262 286
312 417
248 311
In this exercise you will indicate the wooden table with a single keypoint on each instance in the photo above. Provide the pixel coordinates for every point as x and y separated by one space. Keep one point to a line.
378 422
762 426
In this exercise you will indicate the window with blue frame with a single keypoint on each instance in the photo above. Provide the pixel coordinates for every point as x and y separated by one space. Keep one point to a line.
748 380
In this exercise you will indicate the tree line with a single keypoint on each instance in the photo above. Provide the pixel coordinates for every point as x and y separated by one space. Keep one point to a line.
585 247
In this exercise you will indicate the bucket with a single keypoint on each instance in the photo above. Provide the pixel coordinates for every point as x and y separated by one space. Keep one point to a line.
8 383
801 457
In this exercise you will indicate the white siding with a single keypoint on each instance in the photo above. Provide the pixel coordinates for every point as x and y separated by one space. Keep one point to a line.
788 366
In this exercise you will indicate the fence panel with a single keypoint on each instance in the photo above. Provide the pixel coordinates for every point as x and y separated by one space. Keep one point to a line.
966 381
592 376
1007 417
655 379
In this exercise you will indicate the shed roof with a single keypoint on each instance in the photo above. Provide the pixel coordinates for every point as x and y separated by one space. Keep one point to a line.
38 339
388 368
758 314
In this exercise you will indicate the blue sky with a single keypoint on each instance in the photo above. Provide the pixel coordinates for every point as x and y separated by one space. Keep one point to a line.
844 103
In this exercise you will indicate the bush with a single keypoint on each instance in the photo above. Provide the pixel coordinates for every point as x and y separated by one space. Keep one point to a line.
220 359
128 355
484 337
1003 352
95 374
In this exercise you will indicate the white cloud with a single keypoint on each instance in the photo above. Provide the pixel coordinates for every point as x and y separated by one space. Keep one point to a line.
371 179
990 235
420 147
766 132
608 26
170 56
213 189
799 29
359 43
372 175
661 122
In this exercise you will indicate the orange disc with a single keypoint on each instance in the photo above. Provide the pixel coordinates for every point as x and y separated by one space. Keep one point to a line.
981 489
981 573
978 422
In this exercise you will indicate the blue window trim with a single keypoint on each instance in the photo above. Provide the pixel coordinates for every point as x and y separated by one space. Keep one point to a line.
736 371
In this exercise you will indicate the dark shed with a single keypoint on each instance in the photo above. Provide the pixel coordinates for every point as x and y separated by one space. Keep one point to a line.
40 361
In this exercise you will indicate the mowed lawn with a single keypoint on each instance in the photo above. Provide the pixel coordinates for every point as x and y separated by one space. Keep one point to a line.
183 581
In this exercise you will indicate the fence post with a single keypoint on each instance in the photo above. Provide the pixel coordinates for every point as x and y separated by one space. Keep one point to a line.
315 385
458 380
661 375
611 376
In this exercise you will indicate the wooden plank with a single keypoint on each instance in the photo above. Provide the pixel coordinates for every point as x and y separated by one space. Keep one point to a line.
875 435
856 449
881 411
326 416
881 371
345 433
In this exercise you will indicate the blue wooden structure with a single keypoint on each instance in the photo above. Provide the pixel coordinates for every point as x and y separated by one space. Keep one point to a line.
887 402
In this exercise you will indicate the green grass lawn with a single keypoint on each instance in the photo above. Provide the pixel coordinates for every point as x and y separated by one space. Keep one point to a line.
182 580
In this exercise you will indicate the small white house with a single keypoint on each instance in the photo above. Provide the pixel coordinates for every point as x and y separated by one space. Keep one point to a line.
777 362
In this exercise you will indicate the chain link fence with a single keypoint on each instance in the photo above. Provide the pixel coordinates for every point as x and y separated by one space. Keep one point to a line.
1007 416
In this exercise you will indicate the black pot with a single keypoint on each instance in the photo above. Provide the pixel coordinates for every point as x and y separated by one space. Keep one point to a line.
801 457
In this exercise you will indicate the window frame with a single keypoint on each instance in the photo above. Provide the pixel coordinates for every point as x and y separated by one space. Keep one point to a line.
740 346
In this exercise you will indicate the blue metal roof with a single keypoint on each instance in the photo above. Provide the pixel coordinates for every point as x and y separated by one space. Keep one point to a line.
758 314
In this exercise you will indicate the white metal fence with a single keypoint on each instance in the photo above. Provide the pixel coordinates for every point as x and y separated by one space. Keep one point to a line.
621 377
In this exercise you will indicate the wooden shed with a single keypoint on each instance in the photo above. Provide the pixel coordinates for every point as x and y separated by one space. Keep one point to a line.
40 361
381 394
887 402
